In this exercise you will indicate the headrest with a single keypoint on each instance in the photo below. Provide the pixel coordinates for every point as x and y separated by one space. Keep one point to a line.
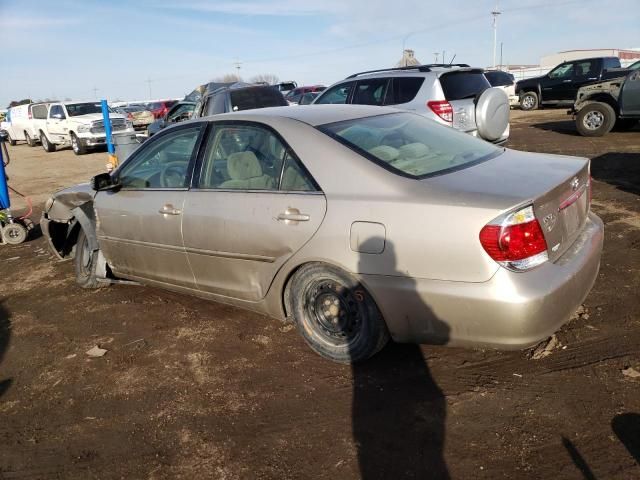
385 152
243 165
414 150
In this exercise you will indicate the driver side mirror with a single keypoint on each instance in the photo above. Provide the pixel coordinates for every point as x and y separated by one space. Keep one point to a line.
103 182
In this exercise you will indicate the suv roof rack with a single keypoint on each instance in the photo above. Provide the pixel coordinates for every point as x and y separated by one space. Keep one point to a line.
420 68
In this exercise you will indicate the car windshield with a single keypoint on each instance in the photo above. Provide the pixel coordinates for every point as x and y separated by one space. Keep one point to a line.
76 109
410 144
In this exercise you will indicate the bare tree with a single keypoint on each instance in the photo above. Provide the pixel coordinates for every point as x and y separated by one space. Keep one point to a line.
268 78
228 77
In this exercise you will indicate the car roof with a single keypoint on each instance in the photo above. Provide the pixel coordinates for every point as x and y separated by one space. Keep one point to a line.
310 114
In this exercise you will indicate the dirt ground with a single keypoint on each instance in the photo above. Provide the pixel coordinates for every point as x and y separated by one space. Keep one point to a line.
191 389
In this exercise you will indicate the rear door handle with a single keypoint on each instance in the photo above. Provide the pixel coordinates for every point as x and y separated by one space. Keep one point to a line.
567 81
169 209
291 215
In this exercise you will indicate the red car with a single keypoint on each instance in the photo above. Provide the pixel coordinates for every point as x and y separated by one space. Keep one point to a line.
294 96
160 109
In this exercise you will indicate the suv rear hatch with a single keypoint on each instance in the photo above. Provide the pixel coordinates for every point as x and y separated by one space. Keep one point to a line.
256 97
461 88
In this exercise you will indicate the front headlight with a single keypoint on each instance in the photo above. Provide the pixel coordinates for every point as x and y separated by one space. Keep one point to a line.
48 204
83 128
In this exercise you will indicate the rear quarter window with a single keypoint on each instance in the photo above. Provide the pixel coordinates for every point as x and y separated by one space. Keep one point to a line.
461 85
262 97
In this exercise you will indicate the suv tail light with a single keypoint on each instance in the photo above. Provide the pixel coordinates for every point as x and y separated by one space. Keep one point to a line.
442 108
515 241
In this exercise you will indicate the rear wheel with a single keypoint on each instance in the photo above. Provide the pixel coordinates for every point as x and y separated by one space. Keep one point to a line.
77 146
86 263
595 119
30 141
14 233
335 314
48 146
529 101
12 142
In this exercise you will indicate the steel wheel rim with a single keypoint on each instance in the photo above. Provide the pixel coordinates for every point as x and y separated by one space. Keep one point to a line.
527 101
334 311
593 120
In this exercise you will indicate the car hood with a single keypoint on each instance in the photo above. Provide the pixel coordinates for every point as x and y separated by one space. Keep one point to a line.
92 117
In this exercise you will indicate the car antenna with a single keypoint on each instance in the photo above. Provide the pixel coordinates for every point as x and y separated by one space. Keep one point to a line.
454 56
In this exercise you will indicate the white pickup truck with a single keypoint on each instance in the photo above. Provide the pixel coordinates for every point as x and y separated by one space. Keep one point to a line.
80 125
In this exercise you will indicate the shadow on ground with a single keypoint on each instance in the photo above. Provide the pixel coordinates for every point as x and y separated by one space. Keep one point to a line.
626 426
621 170
398 410
567 127
5 333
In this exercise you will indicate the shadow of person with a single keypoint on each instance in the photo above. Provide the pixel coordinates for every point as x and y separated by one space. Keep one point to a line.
626 426
578 459
5 333
398 410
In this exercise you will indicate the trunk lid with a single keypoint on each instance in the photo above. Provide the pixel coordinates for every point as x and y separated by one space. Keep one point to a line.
557 186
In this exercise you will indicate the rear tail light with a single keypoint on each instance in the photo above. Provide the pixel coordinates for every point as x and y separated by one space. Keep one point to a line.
515 241
443 109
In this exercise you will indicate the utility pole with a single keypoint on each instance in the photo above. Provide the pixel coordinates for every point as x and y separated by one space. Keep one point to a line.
95 93
149 83
495 14
501 44
237 64
443 52
435 55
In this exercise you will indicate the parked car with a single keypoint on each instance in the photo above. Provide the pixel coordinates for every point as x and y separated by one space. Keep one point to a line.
451 94
634 66
294 96
439 239
504 81
24 122
560 86
139 117
160 109
614 102
180 112
232 97
79 124
285 87
308 98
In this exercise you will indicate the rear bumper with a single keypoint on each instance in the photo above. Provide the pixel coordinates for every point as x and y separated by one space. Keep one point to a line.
510 311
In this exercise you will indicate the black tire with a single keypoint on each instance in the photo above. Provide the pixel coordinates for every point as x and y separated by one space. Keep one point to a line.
77 146
30 141
86 263
12 142
595 119
625 124
529 101
351 329
46 144
14 233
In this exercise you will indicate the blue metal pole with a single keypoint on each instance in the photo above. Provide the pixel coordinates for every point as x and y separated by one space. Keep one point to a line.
4 190
107 126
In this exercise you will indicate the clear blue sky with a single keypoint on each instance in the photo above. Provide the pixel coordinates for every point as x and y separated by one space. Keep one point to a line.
66 48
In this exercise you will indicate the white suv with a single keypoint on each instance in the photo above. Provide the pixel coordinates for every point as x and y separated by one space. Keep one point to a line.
454 95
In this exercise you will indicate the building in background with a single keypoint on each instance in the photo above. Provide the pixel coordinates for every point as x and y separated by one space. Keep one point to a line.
408 59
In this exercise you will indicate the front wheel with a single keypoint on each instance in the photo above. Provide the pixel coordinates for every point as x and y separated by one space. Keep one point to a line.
595 119
86 263
335 314
77 146
48 146
529 101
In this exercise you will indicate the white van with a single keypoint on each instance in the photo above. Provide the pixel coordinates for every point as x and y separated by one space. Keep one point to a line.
25 122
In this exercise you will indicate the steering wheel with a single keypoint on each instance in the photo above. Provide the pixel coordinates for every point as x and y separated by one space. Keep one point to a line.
172 175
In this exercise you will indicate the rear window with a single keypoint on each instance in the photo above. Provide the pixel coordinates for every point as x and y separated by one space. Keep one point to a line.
39 112
403 90
461 85
286 86
499 79
410 145
260 97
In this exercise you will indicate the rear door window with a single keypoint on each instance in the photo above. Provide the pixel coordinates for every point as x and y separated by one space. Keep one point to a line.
370 92
586 69
403 90
338 94
259 97
39 112
462 85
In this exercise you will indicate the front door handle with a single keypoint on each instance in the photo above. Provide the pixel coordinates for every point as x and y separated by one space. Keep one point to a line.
169 209
293 215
